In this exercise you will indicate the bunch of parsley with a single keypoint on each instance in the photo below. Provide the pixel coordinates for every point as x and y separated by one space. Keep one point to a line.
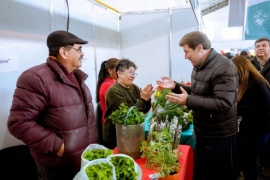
127 115
102 171
124 168
96 154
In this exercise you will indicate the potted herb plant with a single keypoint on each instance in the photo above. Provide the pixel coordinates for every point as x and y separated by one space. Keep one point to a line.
129 123
165 127
160 154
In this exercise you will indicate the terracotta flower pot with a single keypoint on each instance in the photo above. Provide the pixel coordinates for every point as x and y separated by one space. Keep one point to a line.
171 177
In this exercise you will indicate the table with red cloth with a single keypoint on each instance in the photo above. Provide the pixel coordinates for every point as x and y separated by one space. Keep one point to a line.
186 161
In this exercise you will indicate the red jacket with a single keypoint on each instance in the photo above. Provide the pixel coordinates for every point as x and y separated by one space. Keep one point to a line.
48 109
106 84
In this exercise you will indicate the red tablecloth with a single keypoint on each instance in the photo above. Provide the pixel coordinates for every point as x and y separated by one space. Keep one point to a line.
186 161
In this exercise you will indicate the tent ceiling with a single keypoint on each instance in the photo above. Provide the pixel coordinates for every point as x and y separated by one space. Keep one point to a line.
124 6
212 9
209 6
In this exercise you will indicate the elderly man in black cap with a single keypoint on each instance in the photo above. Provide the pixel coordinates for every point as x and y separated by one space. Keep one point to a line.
52 110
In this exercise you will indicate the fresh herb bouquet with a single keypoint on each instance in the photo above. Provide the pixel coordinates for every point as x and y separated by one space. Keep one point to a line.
125 167
173 116
101 170
99 162
127 115
93 152
96 154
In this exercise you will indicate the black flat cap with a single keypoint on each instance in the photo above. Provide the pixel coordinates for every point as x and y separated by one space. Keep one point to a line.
61 38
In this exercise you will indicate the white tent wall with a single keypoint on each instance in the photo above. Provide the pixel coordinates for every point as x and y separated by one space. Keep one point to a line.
106 36
22 35
145 40
182 22
151 39
24 26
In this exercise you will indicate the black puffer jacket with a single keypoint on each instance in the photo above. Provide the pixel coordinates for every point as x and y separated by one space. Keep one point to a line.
266 69
48 110
254 108
213 97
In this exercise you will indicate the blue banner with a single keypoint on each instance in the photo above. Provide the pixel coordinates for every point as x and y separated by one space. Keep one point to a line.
257 19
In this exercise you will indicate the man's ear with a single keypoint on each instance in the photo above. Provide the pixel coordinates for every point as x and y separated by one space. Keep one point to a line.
200 47
63 52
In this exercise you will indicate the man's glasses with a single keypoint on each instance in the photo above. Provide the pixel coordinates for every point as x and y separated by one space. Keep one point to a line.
79 50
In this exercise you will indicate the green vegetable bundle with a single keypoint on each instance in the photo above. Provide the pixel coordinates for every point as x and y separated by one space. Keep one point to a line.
113 167
94 151
127 115
124 167
96 154
101 171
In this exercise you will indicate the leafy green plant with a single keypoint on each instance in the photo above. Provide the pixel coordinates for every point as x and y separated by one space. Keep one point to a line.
160 155
124 168
127 115
102 171
96 154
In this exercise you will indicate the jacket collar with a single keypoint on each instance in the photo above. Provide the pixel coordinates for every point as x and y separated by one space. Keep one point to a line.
207 60
60 71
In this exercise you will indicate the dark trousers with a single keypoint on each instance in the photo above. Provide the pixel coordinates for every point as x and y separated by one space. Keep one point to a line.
249 147
265 154
246 156
55 173
264 159
214 158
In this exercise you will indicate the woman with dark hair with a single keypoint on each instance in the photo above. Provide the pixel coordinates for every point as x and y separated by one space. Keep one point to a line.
124 91
106 78
253 111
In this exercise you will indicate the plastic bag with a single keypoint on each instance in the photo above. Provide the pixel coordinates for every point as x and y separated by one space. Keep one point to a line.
91 147
82 175
136 166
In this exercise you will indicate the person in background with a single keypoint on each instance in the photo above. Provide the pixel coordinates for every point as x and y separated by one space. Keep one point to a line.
228 55
261 60
212 98
253 111
124 91
245 54
106 78
262 64
52 110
